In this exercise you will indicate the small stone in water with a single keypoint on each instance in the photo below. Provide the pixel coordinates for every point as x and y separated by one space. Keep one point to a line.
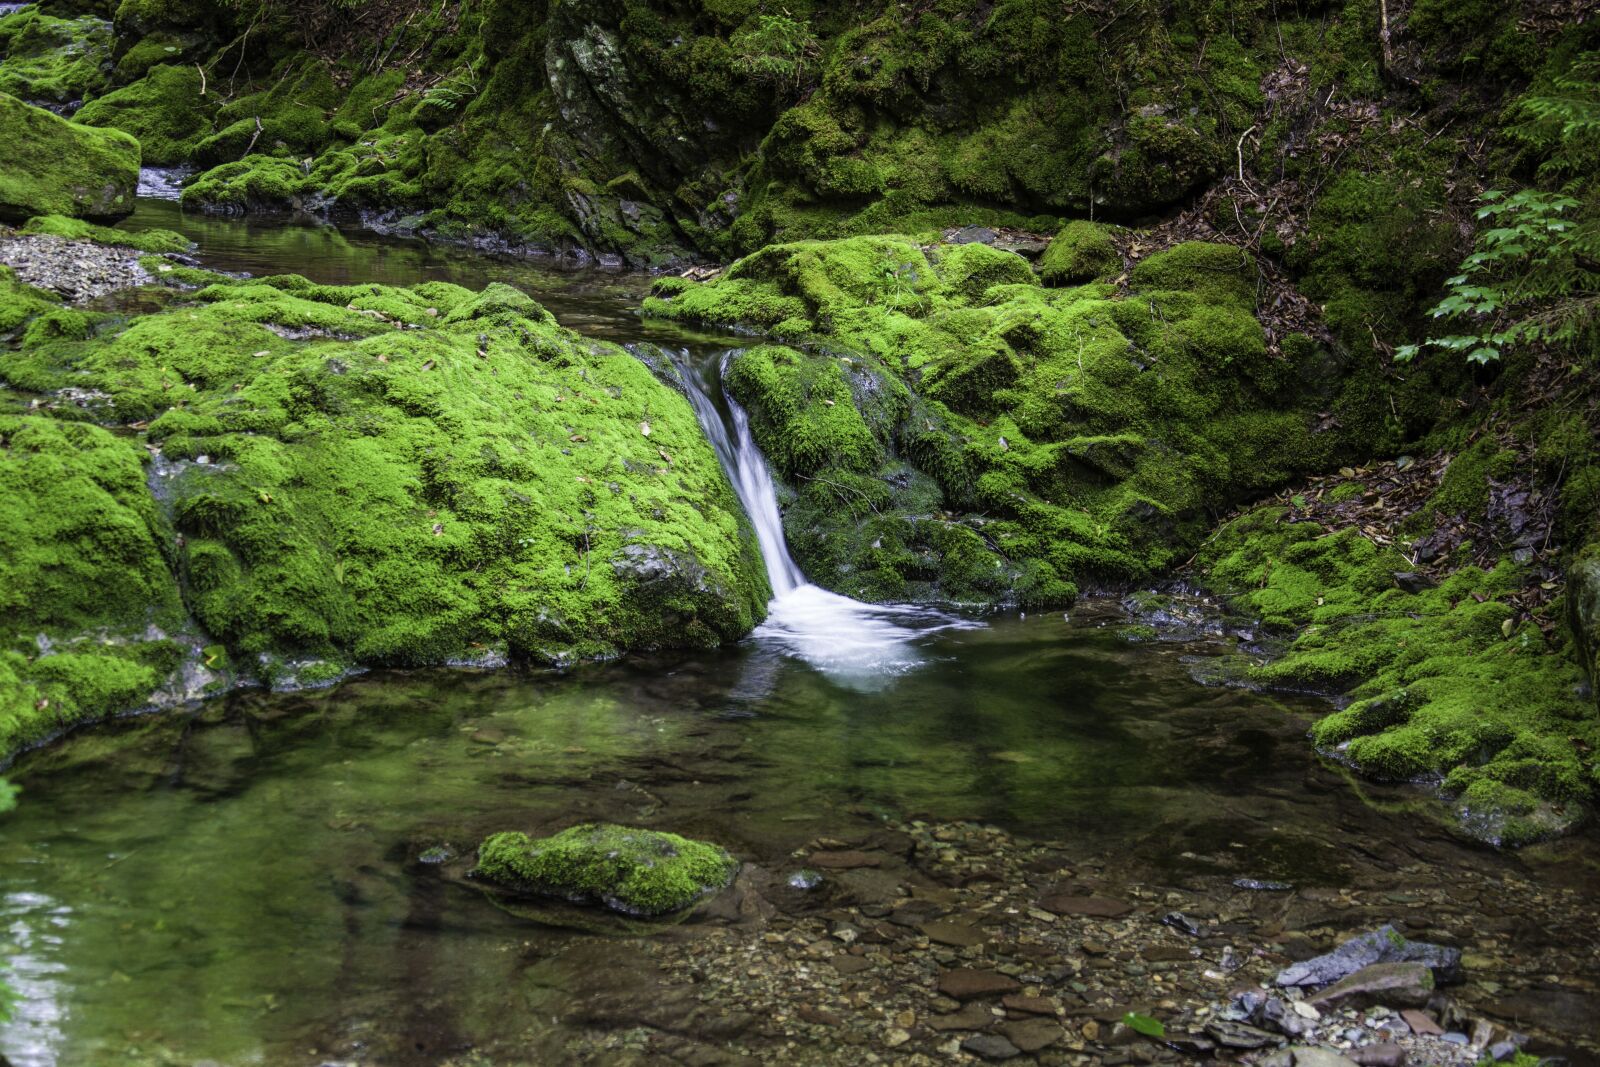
805 879
436 854
1259 886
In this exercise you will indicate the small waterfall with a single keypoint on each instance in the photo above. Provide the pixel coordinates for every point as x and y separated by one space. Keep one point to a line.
856 642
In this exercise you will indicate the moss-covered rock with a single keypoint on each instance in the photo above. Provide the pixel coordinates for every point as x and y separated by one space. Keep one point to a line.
56 167
1449 687
384 476
164 109
637 872
55 61
956 432
79 230
86 590
1081 252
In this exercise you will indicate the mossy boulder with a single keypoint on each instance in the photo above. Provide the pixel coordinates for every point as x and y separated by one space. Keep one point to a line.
86 590
369 475
55 61
1081 252
56 167
956 432
637 872
164 109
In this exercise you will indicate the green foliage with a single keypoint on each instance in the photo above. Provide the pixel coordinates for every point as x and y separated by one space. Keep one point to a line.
1531 278
1144 1024
777 49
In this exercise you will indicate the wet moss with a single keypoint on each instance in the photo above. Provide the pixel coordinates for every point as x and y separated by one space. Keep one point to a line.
164 109
638 872
79 230
1448 686
56 167
519 487
85 585
55 61
1070 435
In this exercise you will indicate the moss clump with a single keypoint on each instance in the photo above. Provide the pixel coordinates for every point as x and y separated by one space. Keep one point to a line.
79 230
85 588
56 61
56 167
956 432
637 872
1081 252
164 109
1447 686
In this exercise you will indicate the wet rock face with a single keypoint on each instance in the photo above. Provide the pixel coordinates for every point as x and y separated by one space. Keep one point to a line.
56 167
1583 607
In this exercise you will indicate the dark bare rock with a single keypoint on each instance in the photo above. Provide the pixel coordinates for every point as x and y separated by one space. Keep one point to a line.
1093 907
1031 1035
1387 1054
1405 985
966 984
990 1047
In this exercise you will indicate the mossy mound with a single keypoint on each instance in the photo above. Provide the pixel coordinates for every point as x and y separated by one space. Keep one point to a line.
954 431
365 475
164 109
1081 252
1447 686
636 872
86 589
79 230
56 167
55 61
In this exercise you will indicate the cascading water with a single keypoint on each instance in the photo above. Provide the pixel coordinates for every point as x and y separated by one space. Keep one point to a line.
839 636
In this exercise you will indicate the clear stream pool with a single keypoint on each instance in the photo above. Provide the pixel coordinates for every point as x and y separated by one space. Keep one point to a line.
238 884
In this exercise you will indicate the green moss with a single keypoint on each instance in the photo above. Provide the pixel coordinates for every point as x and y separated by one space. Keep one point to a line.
1447 686
79 230
56 167
164 109
1081 252
637 872
257 182
955 431
85 587
46 60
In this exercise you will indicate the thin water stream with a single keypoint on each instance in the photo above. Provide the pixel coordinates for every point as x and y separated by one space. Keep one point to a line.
240 883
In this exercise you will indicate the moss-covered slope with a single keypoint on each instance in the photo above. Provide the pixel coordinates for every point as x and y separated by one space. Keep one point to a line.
1451 683
955 431
331 477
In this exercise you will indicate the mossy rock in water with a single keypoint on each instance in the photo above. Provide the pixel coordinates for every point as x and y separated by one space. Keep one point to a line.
636 872
56 167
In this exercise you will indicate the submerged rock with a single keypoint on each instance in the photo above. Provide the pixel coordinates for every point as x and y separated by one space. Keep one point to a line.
56 167
1383 945
633 871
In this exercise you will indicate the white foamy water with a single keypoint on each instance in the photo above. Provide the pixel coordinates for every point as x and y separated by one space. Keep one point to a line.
839 636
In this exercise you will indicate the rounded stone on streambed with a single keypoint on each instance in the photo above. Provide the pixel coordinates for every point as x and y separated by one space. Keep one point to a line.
641 873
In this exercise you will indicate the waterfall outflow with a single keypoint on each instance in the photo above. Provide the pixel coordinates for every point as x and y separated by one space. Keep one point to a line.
837 635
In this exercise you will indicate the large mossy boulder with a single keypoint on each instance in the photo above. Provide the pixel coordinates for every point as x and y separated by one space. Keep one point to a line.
637 872
347 476
956 432
56 167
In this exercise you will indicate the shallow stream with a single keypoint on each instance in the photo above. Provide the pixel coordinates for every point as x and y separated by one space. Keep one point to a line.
241 883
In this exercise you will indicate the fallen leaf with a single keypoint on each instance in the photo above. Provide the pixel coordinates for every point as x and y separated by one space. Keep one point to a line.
644 428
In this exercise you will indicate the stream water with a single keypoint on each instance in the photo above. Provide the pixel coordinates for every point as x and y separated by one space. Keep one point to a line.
239 883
